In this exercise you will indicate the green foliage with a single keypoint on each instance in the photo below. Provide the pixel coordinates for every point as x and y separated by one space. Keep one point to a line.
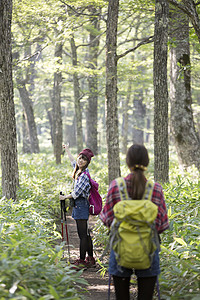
180 256
31 265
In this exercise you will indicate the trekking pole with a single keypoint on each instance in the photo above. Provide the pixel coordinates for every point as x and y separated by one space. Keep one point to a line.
63 213
64 208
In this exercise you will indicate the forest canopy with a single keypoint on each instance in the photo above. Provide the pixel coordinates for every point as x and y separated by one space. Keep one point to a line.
39 28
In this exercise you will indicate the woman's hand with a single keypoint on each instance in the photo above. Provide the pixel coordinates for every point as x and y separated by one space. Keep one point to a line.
62 197
66 147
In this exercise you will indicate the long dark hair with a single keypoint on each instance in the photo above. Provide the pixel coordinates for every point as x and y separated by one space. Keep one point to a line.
78 172
137 160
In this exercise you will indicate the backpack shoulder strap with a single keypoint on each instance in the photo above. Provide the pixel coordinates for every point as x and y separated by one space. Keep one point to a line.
122 188
148 190
124 193
88 175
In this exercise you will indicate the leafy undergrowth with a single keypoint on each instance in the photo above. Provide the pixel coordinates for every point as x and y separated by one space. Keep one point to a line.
180 256
31 264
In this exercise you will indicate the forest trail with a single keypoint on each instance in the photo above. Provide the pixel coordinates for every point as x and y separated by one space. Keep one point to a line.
98 285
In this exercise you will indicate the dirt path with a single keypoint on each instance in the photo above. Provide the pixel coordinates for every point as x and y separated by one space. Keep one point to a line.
98 285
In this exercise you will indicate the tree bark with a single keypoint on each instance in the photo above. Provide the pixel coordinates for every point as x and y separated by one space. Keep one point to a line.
26 148
48 108
57 116
189 7
186 139
93 84
25 83
78 114
161 146
111 91
28 108
125 119
8 139
138 117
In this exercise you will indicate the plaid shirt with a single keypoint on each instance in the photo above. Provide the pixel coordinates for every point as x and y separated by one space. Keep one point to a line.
113 197
81 185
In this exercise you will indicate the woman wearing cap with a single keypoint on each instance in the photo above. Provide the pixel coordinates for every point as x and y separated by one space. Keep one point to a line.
80 211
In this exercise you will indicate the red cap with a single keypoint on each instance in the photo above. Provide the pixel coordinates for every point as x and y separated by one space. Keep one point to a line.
88 153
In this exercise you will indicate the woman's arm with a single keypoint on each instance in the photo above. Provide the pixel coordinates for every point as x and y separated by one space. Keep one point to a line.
71 158
63 197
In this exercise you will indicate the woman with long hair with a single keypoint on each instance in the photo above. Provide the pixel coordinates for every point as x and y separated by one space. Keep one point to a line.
80 211
137 160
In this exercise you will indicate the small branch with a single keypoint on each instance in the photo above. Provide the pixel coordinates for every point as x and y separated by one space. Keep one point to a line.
179 5
32 55
144 42
78 13
67 53
130 40
88 44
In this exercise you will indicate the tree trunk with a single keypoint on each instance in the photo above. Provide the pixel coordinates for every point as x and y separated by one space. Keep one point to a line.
78 114
57 116
186 139
8 138
26 148
139 118
148 126
190 8
161 146
125 119
48 108
28 108
93 84
111 91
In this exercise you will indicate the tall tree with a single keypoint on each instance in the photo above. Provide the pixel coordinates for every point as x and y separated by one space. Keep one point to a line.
29 112
161 146
125 118
93 81
139 118
77 98
26 148
8 140
57 117
23 83
186 139
111 91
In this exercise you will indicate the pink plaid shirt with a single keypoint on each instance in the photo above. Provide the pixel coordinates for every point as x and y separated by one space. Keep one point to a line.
113 197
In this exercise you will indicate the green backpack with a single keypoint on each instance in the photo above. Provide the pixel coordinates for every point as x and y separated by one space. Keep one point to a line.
133 235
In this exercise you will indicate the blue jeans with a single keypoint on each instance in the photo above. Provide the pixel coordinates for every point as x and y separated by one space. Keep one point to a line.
115 269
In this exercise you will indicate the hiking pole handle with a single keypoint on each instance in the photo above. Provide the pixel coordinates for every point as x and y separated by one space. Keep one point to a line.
61 202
